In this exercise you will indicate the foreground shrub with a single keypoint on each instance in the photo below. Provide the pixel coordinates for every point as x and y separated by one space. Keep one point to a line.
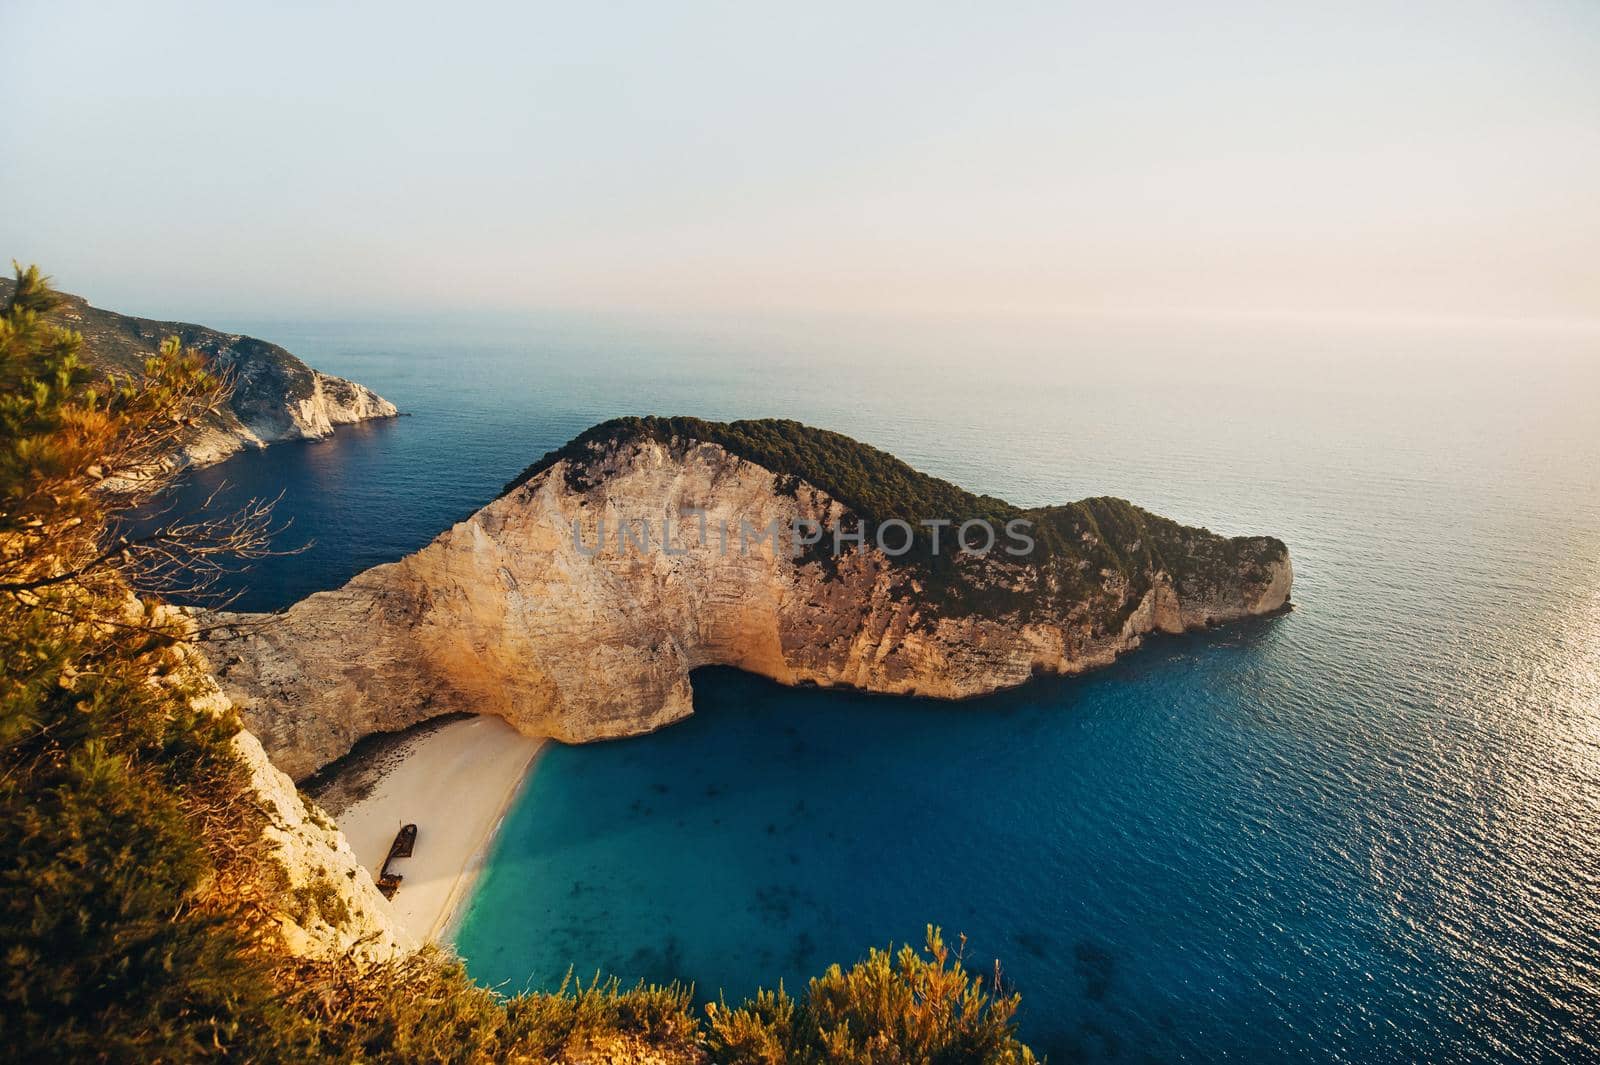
901 1008
425 1008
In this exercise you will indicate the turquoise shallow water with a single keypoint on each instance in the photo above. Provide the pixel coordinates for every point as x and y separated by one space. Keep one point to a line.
1363 831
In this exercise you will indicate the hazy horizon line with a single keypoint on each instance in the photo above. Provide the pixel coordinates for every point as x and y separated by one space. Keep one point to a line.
207 312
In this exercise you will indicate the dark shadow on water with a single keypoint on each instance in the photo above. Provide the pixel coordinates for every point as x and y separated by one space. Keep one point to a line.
1096 966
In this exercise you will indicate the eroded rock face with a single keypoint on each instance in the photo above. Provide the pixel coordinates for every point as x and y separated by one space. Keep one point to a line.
507 613
335 910
329 907
272 411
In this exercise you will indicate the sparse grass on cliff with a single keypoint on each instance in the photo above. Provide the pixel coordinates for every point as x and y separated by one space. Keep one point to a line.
425 1009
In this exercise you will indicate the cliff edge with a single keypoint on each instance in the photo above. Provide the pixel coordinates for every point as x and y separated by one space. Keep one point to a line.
739 550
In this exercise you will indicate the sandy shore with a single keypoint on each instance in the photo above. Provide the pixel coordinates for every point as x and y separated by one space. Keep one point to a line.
454 783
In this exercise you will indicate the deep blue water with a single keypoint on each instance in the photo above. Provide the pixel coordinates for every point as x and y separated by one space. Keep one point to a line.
1368 830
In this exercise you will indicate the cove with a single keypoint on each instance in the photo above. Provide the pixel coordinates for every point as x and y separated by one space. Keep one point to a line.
1119 841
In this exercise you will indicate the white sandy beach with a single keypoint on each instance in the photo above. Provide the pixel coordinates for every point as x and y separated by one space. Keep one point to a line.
454 784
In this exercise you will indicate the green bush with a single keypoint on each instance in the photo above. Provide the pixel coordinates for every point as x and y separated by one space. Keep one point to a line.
425 1009
902 1008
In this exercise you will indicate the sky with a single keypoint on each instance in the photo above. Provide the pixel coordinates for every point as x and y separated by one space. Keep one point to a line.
1411 160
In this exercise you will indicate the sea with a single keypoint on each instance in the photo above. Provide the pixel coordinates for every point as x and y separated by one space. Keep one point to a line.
1364 831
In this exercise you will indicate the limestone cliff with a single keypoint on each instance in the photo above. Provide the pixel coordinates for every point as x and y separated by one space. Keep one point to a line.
512 613
276 397
328 905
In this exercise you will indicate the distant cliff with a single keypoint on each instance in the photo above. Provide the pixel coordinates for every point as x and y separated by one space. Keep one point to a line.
514 612
276 397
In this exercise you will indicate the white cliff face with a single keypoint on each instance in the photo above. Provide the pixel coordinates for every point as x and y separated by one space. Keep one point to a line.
335 909
328 907
335 401
506 614
332 401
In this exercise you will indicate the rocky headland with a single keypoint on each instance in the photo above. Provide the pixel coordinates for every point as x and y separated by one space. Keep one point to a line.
275 396
524 612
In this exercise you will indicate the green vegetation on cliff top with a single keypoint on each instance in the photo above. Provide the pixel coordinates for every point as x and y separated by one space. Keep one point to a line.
1077 544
